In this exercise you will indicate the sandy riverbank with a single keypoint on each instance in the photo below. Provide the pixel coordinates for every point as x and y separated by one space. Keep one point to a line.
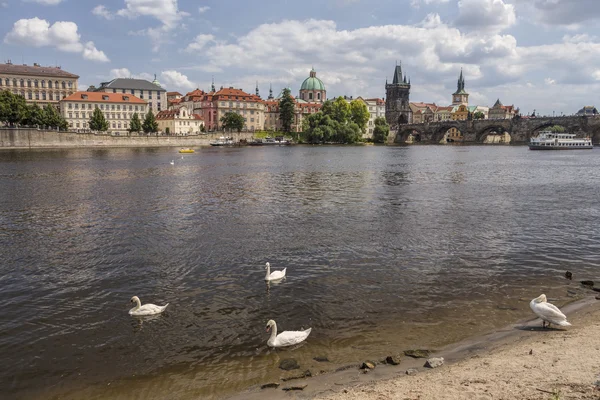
535 364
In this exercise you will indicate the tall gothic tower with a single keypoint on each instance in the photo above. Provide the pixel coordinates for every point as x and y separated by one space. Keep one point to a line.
460 96
397 108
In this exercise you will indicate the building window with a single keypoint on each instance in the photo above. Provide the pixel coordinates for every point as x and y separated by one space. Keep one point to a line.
150 105
14 82
70 106
77 106
158 106
70 115
136 108
114 125
318 96
118 107
124 91
70 85
7 82
102 107
50 84
22 83
43 84
132 91
64 85
310 96
44 95
50 97
89 106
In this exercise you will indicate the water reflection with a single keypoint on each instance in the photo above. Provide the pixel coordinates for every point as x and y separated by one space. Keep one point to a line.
385 247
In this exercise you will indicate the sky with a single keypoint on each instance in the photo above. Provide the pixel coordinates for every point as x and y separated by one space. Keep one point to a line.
541 55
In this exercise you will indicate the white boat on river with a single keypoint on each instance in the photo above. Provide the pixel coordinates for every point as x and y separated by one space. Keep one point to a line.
547 140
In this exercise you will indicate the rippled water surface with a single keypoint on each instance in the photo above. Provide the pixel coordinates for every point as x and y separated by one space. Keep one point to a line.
385 248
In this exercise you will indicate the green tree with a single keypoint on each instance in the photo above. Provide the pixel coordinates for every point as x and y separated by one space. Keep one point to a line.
557 129
479 115
51 117
232 121
98 122
286 110
34 116
340 110
359 114
135 125
202 128
150 125
13 108
381 130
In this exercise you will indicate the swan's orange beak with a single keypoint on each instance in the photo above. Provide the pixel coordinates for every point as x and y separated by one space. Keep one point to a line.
268 329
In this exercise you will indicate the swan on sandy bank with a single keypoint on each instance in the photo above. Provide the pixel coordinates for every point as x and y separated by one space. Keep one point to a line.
146 309
275 275
286 338
548 312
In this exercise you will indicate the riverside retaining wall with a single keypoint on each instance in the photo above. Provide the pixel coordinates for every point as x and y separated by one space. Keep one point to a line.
17 138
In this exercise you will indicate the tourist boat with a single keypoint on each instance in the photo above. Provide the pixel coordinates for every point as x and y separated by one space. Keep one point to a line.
547 140
223 141
186 150
278 141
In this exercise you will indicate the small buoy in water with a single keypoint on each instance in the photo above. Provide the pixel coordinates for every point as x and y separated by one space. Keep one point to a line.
569 275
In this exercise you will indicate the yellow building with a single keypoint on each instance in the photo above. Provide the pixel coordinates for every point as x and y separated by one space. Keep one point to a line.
460 113
179 122
250 106
41 85
118 109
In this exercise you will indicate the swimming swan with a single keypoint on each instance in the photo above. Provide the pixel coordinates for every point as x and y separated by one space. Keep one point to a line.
146 309
548 312
172 162
275 275
286 338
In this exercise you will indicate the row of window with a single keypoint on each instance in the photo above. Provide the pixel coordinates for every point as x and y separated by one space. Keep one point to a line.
35 83
43 95
112 107
237 105
106 115
141 94
84 125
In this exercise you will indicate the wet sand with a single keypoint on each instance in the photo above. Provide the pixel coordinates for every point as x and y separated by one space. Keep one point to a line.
521 361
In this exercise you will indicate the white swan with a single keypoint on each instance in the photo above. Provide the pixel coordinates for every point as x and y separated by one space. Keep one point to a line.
146 309
286 338
548 312
275 275
172 162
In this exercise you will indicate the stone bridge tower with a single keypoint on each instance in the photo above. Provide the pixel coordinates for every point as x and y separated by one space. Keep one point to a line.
397 108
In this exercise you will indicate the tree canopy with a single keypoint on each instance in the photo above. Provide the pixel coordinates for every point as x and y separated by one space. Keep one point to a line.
135 125
359 113
286 110
14 110
232 121
557 129
150 125
332 124
478 115
98 122
381 130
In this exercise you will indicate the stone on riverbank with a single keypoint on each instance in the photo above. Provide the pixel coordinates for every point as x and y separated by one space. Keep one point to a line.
392 360
274 385
417 353
321 359
434 362
411 371
305 374
368 365
289 364
587 283
297 387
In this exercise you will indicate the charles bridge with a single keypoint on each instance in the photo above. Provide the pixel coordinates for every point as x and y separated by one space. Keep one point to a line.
476 131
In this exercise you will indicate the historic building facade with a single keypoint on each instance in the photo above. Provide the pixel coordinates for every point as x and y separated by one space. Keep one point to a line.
302 109
151 92
500 111
41 85
312 89
460 97
118 109
397 107
250 106
179 122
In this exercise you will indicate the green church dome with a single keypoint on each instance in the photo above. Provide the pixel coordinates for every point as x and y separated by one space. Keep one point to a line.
312 82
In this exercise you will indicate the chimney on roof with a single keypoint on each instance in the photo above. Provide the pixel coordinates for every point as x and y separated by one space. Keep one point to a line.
36 64
9 62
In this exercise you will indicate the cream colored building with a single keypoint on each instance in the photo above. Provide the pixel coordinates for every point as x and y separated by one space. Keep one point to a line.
118 109
41 85
250 106
376 109
302 110
150 92
179 122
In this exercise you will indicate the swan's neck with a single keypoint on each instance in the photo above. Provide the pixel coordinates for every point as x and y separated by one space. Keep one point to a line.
268 271
273 333
138 304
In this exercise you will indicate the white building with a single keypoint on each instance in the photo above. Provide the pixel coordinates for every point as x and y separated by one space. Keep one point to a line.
118 109
179 122
150 92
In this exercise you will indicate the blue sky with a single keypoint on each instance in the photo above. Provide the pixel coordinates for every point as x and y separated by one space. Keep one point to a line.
535 54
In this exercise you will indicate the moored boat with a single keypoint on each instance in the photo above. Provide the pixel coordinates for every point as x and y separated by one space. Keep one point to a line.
187 151
547 140
223 141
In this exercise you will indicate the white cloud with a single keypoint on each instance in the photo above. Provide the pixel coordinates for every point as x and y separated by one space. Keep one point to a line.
596 74
177 79
203 9
45 2
485 15
90 52
568 13
549 81
165 11
120 73
62 35
102 11
199 42
418 3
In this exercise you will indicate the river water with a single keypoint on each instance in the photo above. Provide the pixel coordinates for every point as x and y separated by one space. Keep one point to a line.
386 248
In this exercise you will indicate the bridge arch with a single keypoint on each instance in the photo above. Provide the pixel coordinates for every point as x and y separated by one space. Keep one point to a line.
440 132
404 133
482 134
545 125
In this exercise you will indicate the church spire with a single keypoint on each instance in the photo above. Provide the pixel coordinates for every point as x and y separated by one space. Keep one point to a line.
270 92
212 87
397 75
461 82
257 93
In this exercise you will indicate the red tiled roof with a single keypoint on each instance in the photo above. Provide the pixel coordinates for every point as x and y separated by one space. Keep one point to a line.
235 94
55 72
174 94
104 97
198 116
175 101
166 114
